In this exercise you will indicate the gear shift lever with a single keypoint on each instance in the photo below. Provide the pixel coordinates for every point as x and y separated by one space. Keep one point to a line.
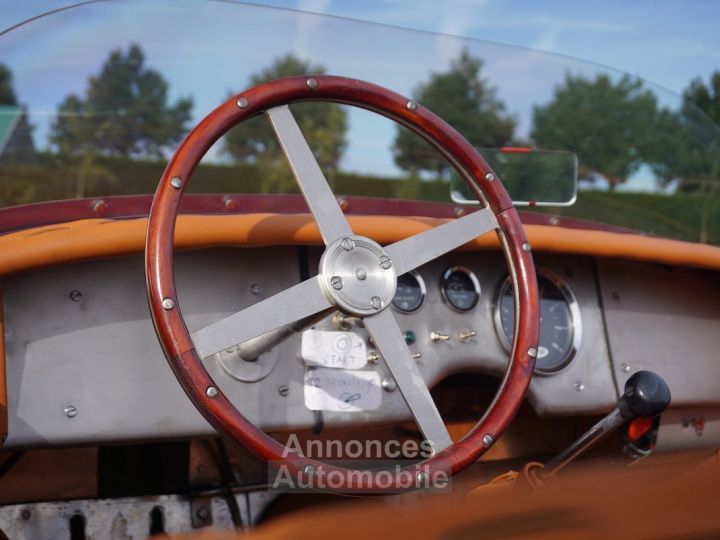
646 394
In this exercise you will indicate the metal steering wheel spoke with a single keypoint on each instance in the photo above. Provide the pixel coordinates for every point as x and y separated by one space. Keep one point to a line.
285 308
417 250
315 189
389 340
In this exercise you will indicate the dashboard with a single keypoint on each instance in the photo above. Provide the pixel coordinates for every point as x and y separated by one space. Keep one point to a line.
84 365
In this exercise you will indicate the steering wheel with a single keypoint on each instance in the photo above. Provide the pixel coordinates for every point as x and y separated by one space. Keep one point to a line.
356 276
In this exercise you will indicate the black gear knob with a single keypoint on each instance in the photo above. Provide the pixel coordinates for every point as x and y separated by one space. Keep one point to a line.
646 394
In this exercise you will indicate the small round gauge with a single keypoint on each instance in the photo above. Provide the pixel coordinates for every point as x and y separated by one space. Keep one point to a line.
460 288
410 292
560 327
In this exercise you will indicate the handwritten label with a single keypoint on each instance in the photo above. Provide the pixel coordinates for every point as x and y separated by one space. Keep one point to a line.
340 350
342 390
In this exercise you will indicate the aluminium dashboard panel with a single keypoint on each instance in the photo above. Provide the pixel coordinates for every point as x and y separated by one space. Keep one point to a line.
583 387
664 319
96 350
80 336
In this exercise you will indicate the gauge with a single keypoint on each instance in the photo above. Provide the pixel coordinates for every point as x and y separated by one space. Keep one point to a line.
560 328
410 292
460 288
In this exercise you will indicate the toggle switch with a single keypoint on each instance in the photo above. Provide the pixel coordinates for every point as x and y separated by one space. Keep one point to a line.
437 337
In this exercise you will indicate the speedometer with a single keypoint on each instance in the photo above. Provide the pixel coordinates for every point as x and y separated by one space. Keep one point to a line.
560 327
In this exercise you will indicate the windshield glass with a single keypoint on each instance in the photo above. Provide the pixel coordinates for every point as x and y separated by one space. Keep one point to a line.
94 99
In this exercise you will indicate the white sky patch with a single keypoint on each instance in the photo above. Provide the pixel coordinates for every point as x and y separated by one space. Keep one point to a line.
307 26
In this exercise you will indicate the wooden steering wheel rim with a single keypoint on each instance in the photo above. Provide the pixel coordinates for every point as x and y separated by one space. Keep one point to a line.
175 338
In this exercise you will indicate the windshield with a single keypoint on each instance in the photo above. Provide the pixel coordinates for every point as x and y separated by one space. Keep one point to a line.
94 99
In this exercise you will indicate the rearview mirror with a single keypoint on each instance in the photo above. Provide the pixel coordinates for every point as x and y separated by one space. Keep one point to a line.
531 177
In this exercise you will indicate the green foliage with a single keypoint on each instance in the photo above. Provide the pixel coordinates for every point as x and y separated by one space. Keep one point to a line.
690 139
323 124
681 215
465 101
707 98
124 112
606 124
7 92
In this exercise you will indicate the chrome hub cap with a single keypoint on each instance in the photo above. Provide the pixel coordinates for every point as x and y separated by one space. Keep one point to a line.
357 276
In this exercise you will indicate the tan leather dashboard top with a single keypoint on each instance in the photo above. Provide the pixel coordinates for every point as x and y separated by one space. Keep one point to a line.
95 238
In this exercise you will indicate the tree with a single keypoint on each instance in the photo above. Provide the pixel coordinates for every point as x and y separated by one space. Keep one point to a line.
605 123
687 148
323 124
465 101
7 93
706 98
123 112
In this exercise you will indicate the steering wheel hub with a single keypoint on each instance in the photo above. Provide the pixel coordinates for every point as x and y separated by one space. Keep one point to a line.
357 275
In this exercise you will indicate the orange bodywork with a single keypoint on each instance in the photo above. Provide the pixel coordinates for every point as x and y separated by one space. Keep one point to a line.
95 238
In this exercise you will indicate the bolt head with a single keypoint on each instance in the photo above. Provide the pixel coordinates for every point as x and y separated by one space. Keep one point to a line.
309 470
283 390
168 304
526 246
625 368
411 106
202 513
385 262
388 384
256 289
347 244
490 177
242 103
70 411
176 182
361 274
375 302
336 282
579 386
422 477
75 295
211 392
488 439
312 84
532 352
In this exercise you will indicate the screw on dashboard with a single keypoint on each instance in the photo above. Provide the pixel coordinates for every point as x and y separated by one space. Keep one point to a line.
75 295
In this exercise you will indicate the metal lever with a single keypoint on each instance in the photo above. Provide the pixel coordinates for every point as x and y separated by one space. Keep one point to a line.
646 394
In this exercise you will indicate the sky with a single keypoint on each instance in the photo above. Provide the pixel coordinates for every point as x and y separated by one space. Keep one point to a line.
666 42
